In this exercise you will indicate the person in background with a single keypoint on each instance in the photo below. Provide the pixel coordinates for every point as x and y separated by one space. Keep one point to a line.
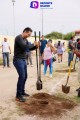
19 61
6 50
43 43
63 48
59 47
28 54
77 52
78 47
71 46
48 57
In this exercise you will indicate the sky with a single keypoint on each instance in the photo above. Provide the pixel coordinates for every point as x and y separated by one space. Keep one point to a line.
64 17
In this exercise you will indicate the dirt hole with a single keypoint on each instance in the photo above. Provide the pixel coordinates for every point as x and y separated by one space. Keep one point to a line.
44 104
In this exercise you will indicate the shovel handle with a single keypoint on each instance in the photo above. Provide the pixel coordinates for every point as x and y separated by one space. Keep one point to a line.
69 72
67 80
39 58
70 68
36 55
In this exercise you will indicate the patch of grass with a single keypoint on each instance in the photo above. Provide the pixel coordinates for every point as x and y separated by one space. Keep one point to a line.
1 61
5 118
77 99
74 98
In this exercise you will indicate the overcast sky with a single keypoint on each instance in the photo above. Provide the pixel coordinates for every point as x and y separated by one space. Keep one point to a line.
64 17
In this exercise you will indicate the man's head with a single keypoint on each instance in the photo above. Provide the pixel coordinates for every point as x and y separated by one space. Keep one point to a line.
42 37
50 41
78 40
27 32
5 39
72 38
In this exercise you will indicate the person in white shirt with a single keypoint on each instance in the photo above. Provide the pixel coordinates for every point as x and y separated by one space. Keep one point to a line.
6 50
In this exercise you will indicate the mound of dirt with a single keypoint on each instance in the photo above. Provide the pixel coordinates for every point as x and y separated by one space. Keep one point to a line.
46 105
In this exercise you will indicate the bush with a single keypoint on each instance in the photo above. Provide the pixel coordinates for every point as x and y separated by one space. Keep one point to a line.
69 35
54 35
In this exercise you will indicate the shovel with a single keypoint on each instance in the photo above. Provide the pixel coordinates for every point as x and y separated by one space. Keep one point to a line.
39 82
66 88
39 74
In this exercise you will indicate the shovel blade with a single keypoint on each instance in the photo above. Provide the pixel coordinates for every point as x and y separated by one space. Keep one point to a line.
39 85
65 89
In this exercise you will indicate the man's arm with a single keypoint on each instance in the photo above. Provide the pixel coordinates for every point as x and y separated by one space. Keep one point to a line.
32 48
77 52
72 45
23 44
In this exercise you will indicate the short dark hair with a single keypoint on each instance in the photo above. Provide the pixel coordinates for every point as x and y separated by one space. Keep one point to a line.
78 39
72 37
27 29
59 43
50 40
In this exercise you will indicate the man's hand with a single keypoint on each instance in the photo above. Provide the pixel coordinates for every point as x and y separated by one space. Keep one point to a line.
77 52
37 44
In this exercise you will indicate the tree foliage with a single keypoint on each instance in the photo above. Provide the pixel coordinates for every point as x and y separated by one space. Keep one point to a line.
57 35
54 35
68 36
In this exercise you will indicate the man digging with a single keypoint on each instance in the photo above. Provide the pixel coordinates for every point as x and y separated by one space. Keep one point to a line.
19 61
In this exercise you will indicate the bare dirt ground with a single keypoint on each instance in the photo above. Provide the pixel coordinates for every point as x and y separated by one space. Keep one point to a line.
49 104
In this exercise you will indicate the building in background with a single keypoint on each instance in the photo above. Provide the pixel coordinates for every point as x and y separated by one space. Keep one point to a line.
77 34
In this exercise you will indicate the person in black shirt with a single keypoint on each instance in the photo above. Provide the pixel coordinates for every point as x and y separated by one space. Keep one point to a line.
19 61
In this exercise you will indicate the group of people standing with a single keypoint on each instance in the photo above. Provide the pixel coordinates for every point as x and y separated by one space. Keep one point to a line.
19 60
22 51
74 48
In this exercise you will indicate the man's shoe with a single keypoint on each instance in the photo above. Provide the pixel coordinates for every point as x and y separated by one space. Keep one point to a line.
20 99
78 89
25 94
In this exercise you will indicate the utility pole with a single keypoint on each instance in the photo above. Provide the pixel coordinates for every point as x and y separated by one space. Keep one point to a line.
62 32
42 22
13 1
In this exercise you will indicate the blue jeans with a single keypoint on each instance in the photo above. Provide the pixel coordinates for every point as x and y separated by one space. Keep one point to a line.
50 67
21 67
70 57
6 57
